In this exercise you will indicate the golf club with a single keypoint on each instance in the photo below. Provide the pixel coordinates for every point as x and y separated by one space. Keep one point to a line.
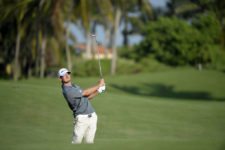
96 48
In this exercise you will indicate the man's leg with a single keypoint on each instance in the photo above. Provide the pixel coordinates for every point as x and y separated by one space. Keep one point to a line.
80 126
91 130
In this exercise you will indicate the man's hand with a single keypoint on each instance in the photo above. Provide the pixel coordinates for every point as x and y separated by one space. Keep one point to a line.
94 90
102 86
101 89
101 82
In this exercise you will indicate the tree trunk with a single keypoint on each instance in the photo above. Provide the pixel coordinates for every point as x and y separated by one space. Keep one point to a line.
222 37
125 33
43 49
93 40
107 41
16 73
114 50
68 54
37 53
88 46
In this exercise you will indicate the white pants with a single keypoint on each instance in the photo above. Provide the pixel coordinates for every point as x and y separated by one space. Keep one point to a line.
84 127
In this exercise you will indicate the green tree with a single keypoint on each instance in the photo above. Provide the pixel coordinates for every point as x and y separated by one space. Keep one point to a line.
191 8
174 42
83 11
34 23
16 13
135 15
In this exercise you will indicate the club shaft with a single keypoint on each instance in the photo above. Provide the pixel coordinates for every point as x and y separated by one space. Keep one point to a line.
98 53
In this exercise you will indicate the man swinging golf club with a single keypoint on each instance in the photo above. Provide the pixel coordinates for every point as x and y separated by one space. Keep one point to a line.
85 118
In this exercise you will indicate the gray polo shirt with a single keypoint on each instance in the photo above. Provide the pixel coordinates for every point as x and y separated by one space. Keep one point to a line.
77 103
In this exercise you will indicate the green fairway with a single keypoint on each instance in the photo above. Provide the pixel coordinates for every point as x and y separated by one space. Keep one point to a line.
180 109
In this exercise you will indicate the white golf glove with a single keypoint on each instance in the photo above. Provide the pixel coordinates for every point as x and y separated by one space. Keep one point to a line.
101 89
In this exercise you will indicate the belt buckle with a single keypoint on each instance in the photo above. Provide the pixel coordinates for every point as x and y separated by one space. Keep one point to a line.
89 115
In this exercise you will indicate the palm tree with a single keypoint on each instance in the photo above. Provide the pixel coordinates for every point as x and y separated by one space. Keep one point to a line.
105 17
143 13
63 15
21 9
82 11
68 20
122 10
51 24
114 50
115 12
111 12
44 20
44 7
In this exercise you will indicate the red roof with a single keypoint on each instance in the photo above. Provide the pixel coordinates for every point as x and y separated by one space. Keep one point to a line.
100 48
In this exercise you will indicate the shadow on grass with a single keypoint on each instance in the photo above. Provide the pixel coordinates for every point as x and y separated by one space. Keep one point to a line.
167 91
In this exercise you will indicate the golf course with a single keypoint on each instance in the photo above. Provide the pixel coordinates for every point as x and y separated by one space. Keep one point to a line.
178 109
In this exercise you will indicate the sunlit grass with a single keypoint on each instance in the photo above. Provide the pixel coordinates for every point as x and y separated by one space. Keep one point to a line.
177 109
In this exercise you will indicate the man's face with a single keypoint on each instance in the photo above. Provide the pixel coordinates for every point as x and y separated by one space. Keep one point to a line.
66 78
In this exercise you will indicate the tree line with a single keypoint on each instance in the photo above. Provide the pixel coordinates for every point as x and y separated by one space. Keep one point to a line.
34 33
189 33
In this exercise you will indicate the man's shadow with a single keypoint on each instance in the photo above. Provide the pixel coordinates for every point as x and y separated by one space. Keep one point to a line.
165 91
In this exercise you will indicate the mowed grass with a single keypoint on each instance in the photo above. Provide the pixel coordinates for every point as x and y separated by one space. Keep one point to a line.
180 109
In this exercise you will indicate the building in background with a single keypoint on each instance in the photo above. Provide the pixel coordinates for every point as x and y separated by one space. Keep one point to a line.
104 53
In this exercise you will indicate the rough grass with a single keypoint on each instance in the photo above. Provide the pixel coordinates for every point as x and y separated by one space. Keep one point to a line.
177 109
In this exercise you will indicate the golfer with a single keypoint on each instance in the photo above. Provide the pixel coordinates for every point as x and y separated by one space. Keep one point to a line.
85 118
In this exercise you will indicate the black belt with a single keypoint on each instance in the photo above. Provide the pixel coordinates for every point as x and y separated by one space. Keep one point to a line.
88 115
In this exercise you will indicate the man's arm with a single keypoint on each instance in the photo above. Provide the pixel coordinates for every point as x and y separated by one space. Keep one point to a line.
92 95
93 91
